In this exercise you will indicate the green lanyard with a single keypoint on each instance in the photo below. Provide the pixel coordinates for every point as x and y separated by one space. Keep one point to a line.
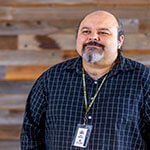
87 107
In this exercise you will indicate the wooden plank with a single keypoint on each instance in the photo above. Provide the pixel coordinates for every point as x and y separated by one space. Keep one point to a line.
66 40
25 72
13 102
2 72
77 2
52 41
48 27
137 41
144 26
27 27
30 57
10 132
51 57
13 109
10 145
46 13
76 12
15 87
8 42
12 99
30 72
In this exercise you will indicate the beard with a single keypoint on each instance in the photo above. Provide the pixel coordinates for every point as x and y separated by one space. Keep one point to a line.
92 52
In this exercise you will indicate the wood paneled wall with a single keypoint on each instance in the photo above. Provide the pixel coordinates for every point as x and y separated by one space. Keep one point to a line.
36 34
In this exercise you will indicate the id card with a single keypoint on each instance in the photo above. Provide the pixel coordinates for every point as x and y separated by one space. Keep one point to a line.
82 135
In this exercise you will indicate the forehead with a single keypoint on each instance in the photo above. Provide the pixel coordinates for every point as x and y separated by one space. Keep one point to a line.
99 20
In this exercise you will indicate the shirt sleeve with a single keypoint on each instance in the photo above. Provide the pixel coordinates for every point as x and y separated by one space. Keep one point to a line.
147 109
32 134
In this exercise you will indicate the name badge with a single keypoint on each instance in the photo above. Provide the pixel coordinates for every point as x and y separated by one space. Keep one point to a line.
82 135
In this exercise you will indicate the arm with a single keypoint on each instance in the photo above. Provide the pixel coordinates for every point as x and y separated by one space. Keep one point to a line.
32 134
147 110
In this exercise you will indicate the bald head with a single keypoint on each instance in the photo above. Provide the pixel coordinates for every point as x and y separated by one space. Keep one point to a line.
104 15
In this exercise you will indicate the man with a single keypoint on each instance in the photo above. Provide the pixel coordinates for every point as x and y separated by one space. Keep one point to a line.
98 101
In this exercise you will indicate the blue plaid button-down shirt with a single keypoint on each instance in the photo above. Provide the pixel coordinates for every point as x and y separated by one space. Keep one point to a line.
120 114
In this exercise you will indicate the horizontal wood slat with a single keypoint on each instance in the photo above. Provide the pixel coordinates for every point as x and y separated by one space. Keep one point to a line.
10 132
66 41
19 71
24 72
10 145
8 42
131 25
49 57
32 13
15 87
73 2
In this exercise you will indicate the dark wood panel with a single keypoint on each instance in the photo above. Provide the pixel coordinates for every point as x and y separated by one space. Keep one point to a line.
2 72
10 145
15 87
10 132
8 42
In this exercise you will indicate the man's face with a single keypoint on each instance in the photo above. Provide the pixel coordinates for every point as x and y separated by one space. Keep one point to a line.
97 38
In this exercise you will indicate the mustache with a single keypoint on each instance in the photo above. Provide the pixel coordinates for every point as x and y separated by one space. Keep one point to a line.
93 43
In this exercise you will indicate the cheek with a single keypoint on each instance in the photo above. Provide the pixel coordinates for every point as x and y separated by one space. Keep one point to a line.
79 44
112 44
80 41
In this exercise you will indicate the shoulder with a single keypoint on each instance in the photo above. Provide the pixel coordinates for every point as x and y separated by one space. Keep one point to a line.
137 66
140 70
59 68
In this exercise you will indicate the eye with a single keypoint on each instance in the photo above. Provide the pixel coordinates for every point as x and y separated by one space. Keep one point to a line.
86 31
103 33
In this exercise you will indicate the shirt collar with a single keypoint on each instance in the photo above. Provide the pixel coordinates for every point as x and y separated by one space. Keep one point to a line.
74 64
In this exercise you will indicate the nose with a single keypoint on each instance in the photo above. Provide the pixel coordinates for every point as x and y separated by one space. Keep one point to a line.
94 37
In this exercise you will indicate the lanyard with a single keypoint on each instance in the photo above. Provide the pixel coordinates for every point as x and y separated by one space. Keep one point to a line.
87 107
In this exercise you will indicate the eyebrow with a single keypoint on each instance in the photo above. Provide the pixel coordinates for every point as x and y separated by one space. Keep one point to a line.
106 29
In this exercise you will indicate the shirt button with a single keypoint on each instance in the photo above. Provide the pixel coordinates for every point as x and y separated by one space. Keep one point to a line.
95 82
89 117
91 98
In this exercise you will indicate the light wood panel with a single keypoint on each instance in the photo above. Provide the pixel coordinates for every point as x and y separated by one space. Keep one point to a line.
25 72
33 13
74 2
131 25
66 41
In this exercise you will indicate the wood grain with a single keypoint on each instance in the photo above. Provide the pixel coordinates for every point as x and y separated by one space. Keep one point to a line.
10 132
73 2
15 87
66 41
31 72
8 42
32 13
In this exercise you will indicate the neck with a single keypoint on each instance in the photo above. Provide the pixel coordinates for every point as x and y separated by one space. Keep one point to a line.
96 70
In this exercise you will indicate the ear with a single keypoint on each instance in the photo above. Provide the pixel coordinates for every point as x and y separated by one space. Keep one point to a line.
120 41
